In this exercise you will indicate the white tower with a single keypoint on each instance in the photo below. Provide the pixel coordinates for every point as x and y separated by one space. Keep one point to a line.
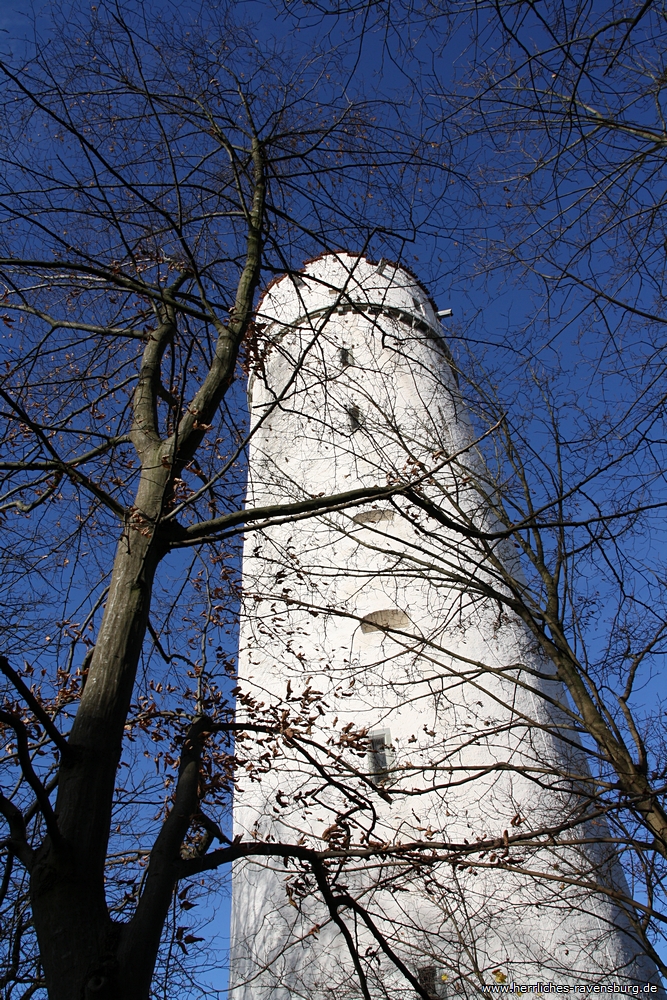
412 709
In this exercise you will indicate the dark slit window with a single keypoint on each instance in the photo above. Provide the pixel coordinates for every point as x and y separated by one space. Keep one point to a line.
380 757
354 418
433 981
427 979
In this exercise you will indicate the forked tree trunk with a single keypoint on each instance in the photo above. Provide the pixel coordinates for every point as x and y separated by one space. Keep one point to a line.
85 956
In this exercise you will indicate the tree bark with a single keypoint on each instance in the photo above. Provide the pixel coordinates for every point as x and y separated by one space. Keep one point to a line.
78 939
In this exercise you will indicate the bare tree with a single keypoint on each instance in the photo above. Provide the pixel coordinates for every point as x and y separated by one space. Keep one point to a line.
156 172
550 121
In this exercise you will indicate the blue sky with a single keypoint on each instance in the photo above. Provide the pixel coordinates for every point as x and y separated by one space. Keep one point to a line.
492 311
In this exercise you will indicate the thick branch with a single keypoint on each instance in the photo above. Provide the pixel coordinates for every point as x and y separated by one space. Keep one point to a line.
145 432
199 414
339 501
144 930
332 905
347 900
7 875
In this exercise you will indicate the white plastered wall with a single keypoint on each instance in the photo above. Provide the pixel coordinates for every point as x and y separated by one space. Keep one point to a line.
354 389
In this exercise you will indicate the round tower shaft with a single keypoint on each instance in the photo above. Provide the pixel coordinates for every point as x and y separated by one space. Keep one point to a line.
411 716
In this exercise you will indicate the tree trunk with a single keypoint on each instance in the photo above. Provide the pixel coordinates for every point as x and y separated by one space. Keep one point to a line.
83 953
78 940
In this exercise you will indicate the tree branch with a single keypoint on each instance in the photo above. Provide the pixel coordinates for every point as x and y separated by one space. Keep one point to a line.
38 788
332 905
32 702
76 477
200 412
339 501
347 900
18 840
144 930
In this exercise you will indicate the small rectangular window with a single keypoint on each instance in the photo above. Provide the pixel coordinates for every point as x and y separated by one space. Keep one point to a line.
354 418
433 981
380 757
426 977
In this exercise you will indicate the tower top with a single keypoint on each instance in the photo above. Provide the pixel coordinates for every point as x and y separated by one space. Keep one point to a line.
343 282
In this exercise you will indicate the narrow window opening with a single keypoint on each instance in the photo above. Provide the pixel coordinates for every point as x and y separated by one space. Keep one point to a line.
346 357
427 980
380 757
382 265
377 621
433 981
298 281
418 306
354 418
